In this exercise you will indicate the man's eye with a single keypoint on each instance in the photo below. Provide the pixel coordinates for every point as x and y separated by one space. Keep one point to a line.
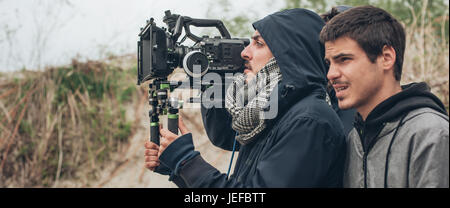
259 43
342 60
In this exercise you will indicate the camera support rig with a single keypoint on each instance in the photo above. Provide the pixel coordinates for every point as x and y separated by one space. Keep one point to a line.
161 104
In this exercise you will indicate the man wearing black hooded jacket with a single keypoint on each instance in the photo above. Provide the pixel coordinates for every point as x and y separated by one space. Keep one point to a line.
303 145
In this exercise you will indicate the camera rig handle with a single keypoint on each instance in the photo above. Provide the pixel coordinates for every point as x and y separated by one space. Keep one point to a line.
186 22
172 116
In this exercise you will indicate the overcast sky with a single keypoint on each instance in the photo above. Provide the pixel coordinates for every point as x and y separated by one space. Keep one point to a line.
38 33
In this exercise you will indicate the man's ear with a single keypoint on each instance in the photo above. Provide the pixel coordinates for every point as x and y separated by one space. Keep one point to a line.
388 58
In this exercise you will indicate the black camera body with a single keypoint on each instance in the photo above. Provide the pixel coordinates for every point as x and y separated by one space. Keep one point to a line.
159 51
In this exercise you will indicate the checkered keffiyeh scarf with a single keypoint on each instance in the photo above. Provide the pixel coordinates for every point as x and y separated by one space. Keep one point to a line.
244 101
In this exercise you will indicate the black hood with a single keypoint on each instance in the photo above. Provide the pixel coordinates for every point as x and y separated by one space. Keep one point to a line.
293 38
412 96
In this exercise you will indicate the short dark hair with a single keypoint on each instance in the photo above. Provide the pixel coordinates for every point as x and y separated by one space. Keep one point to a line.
372 28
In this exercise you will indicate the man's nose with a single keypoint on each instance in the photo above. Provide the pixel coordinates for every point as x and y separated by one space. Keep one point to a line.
245 54
333 72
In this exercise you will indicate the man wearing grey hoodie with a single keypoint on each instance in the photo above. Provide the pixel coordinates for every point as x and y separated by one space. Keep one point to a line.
401 134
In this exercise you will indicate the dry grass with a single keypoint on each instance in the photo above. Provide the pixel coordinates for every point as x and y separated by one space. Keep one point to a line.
56 123
427 54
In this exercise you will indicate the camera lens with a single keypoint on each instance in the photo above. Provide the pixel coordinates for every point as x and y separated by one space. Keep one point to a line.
195 64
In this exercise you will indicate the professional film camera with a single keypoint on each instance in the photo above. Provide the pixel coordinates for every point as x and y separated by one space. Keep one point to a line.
159 53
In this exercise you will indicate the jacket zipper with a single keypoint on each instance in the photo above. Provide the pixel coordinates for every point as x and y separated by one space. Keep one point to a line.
365 153
365 169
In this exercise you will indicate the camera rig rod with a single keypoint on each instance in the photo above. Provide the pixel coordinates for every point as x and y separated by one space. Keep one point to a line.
161 104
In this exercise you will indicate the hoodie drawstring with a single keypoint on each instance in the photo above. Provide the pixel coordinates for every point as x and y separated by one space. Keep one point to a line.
232 156
389 151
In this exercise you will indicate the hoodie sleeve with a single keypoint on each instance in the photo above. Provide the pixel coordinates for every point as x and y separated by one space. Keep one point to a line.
189 169
429 167
217 123
302 156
